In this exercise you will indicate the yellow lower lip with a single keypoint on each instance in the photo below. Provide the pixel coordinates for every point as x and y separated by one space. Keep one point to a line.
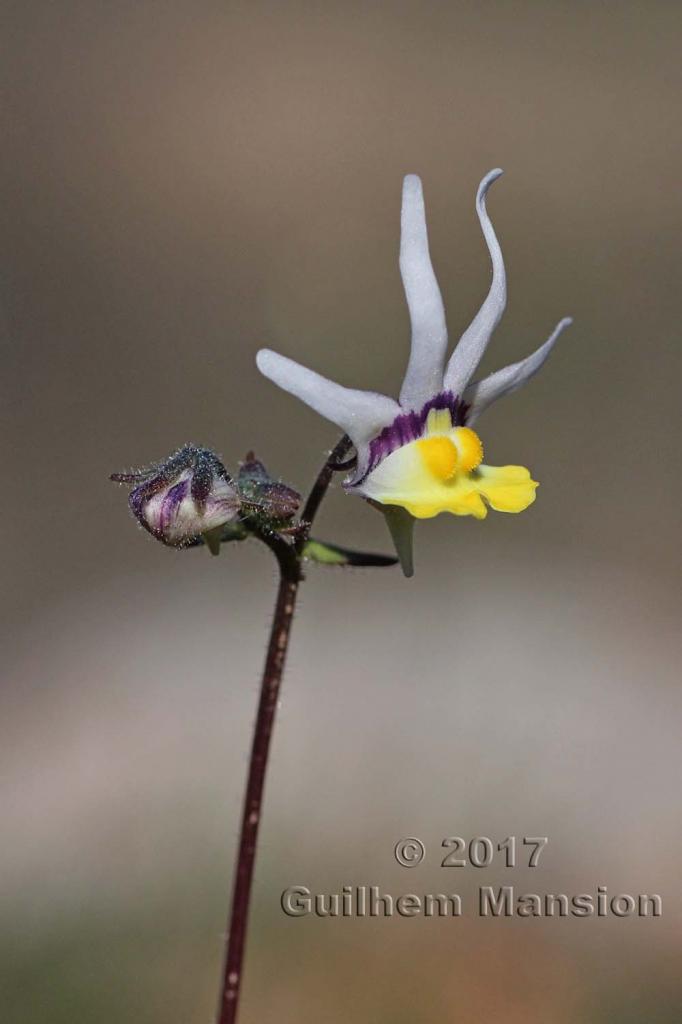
427 481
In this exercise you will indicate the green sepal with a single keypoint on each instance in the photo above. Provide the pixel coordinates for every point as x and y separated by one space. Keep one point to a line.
213 539
401 527
332 554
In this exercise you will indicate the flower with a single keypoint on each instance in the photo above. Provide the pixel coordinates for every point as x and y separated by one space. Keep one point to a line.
419 456
187 496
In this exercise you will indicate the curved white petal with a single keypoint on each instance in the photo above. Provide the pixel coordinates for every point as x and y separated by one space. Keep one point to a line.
482 393
360 414
424 375
474 341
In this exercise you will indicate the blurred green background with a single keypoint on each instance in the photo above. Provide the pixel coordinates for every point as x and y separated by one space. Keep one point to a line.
183 183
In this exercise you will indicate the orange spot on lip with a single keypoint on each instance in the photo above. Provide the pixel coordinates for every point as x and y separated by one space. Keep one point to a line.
469 448
440 456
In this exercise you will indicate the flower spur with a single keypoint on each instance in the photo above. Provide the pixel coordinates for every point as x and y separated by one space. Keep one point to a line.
418 457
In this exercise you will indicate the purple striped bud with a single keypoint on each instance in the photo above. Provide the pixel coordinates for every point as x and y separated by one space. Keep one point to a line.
188 495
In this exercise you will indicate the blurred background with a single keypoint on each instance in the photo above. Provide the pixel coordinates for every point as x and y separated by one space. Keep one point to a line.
184 183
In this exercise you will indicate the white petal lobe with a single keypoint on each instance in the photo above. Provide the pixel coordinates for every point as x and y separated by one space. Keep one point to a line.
474 341
483 393
424 375
360 414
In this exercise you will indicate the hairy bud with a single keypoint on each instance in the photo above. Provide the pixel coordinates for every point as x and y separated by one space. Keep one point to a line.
188 495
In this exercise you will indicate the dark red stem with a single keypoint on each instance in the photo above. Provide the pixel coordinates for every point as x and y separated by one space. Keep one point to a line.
290 560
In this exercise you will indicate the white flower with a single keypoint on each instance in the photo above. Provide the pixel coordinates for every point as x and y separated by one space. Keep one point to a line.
419 457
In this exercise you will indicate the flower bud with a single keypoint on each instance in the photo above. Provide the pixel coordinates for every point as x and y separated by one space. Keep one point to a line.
188 495
263 497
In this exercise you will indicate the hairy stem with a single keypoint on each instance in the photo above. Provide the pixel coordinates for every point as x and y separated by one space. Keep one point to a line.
290 561
251 815
319 489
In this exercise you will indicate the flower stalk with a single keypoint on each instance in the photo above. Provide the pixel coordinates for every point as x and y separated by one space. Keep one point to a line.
251 814
290 561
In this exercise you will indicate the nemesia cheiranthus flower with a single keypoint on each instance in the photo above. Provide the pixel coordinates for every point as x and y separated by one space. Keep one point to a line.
187 496
420 456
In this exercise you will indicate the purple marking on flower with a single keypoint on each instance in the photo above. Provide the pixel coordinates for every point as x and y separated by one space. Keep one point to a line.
409 426
170 505
139 497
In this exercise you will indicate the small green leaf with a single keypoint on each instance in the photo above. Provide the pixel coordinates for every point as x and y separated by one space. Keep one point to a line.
332 554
